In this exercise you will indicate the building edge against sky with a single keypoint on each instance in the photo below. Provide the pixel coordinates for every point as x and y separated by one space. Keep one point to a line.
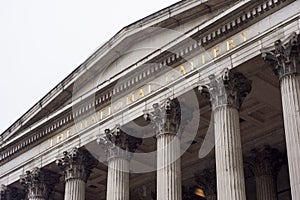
214 58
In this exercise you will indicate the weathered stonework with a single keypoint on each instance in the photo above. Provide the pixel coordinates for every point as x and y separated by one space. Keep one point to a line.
285 61
166 118
285 58
265 161
118 143
223 39
77 164
228 90
265 164
119 147
227 94
11 193
39 183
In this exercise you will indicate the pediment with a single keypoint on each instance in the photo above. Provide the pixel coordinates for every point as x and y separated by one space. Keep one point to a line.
129 45
170 54
145 41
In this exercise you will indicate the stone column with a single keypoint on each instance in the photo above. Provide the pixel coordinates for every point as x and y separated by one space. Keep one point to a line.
11 193
119 147
39 183
285 61
206 179
265 165
77 166
166 118
145 192
226 95
4 193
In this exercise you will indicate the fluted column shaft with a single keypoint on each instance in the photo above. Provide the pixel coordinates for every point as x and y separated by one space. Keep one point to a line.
229 161
285 62
75 180
166 118
265 164
119 147
211 197
77 166
75 189
118 179
227 94
265 188
169 167
290 92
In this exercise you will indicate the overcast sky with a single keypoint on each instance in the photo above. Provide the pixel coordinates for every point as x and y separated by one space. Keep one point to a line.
42 41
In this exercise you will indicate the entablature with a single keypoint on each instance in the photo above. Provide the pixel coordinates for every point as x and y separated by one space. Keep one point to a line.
173 57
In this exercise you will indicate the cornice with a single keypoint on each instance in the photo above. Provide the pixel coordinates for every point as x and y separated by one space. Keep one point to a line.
36 135
151 20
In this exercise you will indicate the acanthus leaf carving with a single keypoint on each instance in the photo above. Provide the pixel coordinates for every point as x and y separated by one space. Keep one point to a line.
39 183
118 143
265 161
166 117
77 164
230 89
285 56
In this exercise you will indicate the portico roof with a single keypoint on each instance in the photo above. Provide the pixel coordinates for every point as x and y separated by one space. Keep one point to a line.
165 18
215 35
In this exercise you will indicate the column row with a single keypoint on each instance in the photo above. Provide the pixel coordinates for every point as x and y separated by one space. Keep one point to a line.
264 164
226 94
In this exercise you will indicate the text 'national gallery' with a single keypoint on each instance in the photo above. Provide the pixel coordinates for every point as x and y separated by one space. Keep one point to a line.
200 100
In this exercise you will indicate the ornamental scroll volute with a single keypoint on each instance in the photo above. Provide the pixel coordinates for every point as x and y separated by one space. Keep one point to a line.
284 58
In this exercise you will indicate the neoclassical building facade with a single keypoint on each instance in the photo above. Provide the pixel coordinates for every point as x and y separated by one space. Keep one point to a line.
199 100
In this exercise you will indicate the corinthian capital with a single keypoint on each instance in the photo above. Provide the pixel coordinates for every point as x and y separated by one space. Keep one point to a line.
118 143
165 117
265 161
77 164
11 193
228 90
39 183
284 58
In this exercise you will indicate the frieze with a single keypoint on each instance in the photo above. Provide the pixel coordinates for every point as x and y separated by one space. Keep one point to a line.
142 92
103 113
